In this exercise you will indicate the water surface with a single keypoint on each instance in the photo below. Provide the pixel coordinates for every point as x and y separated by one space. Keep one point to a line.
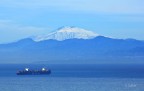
74 78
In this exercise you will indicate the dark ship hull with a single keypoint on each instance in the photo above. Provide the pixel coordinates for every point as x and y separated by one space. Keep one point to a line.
34 72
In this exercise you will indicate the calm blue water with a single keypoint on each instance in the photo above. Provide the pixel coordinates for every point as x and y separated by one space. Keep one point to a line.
74 78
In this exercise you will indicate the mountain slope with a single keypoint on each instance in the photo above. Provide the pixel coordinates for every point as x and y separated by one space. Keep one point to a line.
97 50
67 33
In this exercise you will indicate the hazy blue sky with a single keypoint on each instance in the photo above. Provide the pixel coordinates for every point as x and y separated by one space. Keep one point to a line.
114 18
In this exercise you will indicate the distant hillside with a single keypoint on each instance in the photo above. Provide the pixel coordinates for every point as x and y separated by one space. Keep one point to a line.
96 50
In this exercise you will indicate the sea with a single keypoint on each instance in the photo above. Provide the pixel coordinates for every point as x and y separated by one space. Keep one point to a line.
74 77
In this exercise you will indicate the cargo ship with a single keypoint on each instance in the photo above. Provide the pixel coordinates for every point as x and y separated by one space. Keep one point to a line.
27 71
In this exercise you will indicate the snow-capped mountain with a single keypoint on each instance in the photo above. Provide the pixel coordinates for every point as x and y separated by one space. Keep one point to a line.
67 33
86 48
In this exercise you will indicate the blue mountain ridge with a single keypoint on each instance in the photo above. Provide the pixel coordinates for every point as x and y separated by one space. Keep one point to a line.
78 51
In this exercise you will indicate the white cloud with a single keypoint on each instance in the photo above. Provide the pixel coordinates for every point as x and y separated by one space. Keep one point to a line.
10 31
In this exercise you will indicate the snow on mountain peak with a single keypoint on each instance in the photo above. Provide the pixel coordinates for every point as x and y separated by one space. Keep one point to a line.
67 33
71 29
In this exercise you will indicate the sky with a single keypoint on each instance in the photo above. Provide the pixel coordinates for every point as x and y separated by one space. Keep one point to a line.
114 18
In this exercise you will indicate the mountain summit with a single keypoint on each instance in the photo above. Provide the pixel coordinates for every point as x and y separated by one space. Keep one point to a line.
79 47
67 33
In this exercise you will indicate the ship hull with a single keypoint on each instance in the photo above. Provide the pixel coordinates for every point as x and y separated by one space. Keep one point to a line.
33 73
